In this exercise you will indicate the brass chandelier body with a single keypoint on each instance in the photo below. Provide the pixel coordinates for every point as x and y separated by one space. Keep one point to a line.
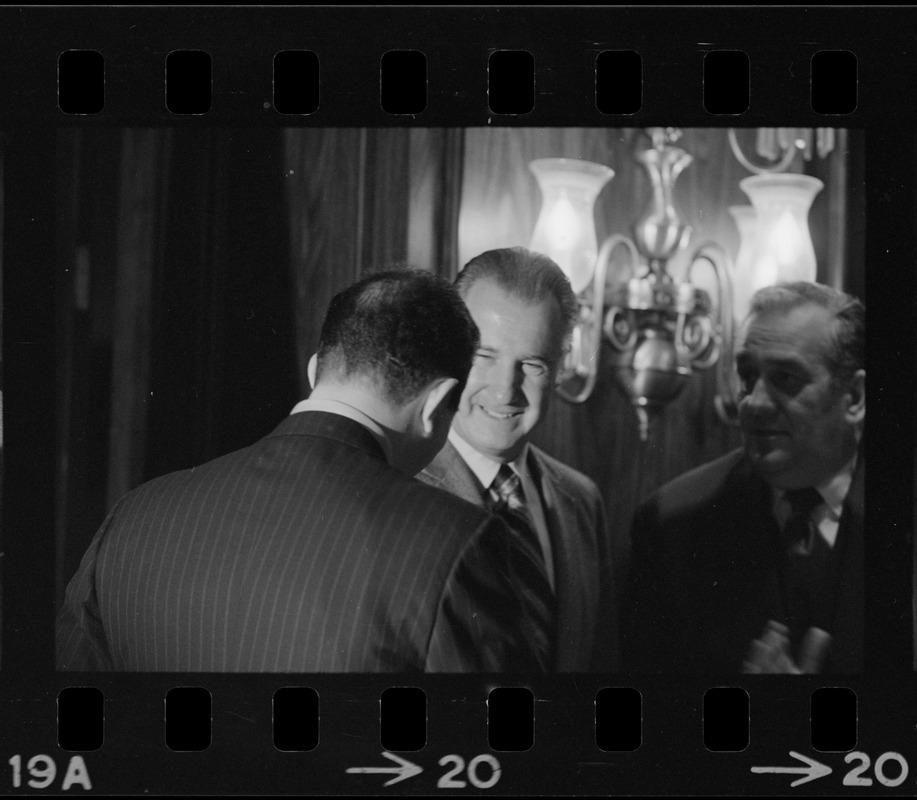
660 330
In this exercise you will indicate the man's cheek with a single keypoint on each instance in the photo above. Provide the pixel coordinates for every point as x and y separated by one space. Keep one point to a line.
465 401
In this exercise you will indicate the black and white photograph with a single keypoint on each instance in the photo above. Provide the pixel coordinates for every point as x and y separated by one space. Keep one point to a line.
665 345
457 400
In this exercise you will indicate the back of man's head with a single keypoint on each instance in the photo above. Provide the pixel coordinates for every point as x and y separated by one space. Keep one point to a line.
399 329
528 275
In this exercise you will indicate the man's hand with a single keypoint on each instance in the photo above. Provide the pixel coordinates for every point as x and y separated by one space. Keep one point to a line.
770 654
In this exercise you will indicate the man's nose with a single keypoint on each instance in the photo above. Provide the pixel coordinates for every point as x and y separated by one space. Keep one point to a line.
758 399
505 383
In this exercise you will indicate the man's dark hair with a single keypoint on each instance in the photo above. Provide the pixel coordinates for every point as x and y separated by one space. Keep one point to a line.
848 345
402 329
525 274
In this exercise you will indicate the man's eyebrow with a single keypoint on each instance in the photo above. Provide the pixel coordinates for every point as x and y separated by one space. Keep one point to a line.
744 357
787 363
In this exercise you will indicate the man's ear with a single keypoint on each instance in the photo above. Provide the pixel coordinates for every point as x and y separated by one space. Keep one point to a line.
437 401
310 370
856 397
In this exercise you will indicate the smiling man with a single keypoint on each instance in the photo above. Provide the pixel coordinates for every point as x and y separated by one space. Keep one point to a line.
754 562
525 309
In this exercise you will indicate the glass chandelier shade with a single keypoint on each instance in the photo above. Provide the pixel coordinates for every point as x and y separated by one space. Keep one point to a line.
743 278
565 229
783 249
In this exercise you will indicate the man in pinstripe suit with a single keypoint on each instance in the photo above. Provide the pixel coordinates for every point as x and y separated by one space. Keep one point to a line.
525 310
315 550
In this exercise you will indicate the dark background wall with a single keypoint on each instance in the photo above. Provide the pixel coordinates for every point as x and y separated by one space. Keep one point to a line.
174 308
193 267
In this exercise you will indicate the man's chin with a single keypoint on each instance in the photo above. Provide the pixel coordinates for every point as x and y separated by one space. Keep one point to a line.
501 449
497 441
769 463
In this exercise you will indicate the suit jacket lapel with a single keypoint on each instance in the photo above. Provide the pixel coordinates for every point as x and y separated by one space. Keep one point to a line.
738 564
575 617
450 472
847 656
575 622
764 542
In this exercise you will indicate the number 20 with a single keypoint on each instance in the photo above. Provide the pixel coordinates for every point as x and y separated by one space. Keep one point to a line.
853 778
448 780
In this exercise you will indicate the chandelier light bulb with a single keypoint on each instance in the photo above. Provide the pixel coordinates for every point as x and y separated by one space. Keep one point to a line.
565 229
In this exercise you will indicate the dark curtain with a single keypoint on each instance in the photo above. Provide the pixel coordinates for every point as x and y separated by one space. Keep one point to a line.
175 314
362 200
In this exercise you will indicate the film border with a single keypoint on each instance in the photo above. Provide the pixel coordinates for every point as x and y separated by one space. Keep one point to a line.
671 41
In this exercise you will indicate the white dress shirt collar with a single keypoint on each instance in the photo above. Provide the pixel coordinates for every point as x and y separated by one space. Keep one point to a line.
826 516
484 468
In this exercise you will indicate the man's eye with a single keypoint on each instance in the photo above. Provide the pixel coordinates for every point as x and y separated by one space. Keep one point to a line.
746 382
533 368
483 357
787 382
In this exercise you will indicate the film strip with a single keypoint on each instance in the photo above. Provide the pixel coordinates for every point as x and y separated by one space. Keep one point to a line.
364 86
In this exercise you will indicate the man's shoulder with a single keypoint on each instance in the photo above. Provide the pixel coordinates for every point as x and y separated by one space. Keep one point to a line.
366 487
705 484
559 473
171 486
441 465
445 502
449 472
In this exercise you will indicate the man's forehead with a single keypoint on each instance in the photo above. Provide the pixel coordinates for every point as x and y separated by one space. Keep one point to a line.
534 325
488 297
804 329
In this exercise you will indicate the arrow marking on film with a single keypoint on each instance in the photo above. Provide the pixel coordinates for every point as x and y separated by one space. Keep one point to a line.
403 771
812 771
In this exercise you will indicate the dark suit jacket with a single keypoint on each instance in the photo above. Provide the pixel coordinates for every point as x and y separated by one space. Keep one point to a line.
704 577
575 517
305 552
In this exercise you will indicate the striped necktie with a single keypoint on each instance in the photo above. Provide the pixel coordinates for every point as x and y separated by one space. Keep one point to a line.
528 563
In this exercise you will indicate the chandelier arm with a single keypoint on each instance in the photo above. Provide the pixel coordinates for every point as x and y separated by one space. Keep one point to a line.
589 366
605 252
788 155
608 247
710 345
595 320
718 257
579 397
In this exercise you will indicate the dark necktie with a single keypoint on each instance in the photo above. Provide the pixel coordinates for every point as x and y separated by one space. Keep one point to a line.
798 532
508 502
806 573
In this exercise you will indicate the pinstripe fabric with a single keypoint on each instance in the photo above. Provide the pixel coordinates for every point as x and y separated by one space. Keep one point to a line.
587 616
306 552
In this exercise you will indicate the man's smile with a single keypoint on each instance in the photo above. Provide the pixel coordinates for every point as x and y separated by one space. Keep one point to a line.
501 415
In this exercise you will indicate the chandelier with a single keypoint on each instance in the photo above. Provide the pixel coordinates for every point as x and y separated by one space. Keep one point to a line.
660 330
